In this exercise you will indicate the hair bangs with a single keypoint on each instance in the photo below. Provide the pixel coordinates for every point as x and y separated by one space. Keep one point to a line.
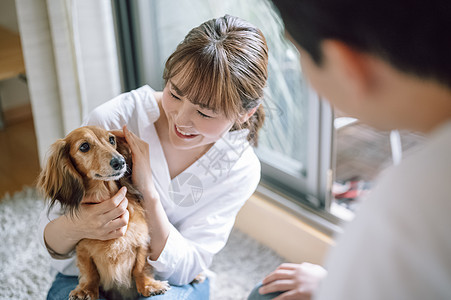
204 79
221 66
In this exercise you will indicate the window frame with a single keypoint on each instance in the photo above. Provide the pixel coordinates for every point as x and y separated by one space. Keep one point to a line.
315 188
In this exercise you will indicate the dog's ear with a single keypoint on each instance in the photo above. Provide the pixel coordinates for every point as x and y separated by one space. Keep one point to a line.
124 149
60 181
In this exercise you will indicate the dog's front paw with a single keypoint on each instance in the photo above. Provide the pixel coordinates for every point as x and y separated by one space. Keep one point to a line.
199 278
83 294
153 288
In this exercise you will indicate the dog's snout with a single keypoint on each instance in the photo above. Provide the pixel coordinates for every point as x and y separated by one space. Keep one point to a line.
117 163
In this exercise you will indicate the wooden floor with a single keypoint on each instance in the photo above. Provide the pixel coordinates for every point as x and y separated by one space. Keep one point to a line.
19 162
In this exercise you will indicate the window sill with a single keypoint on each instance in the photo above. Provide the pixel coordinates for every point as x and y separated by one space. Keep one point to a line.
295 232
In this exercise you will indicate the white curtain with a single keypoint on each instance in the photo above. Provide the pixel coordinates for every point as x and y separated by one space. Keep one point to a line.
71 62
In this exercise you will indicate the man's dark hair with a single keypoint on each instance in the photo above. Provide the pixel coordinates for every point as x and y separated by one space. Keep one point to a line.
414 36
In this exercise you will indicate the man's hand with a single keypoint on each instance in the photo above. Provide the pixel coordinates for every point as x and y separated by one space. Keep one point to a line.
296 281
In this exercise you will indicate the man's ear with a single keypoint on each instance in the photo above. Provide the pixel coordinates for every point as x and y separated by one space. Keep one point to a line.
355 68
247 115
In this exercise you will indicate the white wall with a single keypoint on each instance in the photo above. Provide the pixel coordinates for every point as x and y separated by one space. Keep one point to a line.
71 61
13 92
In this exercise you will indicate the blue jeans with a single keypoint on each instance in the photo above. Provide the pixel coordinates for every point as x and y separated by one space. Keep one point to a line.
255 295
63 285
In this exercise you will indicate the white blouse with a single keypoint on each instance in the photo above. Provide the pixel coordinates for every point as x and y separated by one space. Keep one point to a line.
201 202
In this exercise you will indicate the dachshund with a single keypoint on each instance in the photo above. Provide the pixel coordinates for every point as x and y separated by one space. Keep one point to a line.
94 163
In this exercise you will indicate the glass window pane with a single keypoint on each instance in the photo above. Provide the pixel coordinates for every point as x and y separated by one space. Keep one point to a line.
289 141
284 135
362 153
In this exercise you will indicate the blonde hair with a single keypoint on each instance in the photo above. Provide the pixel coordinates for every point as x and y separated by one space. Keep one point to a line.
224 62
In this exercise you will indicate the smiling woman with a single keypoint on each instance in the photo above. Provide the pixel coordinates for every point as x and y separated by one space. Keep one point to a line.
190 125
222 68
192 157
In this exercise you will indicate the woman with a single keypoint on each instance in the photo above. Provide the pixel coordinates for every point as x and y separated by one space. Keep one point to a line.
191 153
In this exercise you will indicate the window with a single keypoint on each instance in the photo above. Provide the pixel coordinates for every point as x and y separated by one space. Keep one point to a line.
361 154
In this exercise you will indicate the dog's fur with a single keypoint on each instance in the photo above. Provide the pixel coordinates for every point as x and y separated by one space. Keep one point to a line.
72 174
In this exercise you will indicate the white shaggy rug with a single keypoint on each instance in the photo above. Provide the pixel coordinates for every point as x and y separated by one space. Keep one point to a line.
24 264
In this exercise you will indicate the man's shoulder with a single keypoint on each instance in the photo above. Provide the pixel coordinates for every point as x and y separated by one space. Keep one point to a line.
422 182
431 163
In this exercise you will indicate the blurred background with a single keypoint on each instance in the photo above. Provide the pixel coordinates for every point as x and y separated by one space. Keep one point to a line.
60 59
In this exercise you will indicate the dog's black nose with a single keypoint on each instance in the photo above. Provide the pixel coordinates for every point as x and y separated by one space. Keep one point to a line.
117 163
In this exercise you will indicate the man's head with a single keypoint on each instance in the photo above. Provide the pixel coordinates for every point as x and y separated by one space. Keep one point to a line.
362 55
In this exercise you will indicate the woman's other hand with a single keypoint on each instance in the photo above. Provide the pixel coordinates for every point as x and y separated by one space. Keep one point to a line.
100 221
105 220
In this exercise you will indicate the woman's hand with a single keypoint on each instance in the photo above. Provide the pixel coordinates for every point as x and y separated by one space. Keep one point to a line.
157 220
297 281
101 221
142 173
105 220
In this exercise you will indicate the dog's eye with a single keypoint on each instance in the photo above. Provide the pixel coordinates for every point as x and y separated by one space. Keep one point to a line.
112 140
84 147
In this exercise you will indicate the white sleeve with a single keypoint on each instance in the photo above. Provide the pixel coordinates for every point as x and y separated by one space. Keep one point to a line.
132 109
64 264
45 218
192 244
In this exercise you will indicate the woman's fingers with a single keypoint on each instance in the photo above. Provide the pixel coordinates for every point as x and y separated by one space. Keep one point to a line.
116 233
116 212
130 137
110 204
110 209
105 220
119 224
117 132
137 145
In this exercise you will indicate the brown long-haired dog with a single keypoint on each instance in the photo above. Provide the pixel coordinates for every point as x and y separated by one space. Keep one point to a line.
92 162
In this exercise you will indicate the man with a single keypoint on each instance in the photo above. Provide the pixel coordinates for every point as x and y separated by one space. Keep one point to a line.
387 63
